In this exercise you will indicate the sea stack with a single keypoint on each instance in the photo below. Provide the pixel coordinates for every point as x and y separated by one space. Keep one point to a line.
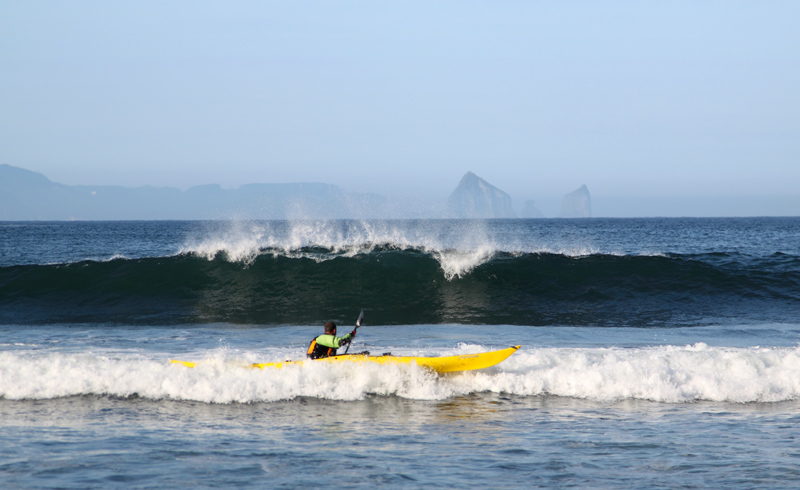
474 198
531 211
577 204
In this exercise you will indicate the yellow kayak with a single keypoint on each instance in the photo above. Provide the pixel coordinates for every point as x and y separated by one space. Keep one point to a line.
448 364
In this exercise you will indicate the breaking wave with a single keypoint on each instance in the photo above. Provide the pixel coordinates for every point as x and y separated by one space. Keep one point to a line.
403 282
667 374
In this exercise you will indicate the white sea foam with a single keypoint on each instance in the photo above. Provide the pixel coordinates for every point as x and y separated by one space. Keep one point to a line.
667 374
664 374
458 263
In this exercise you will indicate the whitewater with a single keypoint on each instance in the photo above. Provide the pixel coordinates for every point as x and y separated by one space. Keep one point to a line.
666 374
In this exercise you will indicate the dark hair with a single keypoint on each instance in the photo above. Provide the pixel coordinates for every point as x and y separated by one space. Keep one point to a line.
330 327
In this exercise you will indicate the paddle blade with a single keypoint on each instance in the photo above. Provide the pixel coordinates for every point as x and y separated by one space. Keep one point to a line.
360 318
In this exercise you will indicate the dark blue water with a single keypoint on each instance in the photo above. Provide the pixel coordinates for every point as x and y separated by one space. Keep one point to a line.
538 272
656 353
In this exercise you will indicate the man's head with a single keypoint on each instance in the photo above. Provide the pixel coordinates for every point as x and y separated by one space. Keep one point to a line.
330 328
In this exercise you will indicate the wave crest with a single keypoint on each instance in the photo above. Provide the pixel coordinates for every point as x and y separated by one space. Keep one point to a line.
307 273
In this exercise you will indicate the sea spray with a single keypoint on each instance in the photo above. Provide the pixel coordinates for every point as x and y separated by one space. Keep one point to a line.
458 250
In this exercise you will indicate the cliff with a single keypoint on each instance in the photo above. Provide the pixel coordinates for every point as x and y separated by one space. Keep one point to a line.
477 199
577 204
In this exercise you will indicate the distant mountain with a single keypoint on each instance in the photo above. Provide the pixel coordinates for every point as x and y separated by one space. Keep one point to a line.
27 195
476 198
577 204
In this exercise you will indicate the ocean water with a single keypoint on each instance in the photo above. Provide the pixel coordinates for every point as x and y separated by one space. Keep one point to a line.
656 353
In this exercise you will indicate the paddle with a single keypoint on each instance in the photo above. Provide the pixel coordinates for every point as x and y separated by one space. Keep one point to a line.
358 324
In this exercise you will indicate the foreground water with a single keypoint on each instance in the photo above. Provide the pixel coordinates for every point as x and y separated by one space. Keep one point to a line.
680 370
101 406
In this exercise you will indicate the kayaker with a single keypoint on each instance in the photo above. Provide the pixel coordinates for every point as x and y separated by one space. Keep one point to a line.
326 344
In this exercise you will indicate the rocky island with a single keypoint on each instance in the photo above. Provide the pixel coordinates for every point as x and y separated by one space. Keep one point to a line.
577 204
474 198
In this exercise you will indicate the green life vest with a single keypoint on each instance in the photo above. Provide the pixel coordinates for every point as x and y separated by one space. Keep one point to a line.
326 344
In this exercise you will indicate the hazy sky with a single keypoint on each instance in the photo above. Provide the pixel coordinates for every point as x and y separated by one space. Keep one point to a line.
670 98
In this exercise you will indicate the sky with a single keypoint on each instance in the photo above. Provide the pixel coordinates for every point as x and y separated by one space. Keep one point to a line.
657 99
